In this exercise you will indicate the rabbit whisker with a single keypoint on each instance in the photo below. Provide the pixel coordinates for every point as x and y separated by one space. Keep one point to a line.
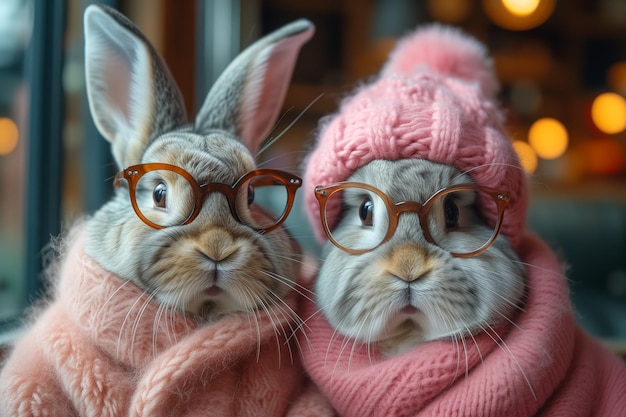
356 342
110 298
138 318
291 284
156 327
289 319
304 327
286 315
275 328
454 336
292 320
290 316
550 271
245 294
505 348
457 345
521 329
271 141
343 346
331 342
467 171
282 157
466 353
513 304
126 318
272 310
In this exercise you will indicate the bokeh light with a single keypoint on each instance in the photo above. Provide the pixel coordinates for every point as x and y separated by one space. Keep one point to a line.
519 14
608 112
527 155
521 7
548 137
9 135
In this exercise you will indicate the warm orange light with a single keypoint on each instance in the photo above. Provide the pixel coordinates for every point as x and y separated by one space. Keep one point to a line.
518 14
9 135
548 137
521 7
608 112
527 155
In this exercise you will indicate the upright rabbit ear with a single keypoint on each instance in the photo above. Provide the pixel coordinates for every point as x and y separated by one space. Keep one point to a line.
132 96
247 97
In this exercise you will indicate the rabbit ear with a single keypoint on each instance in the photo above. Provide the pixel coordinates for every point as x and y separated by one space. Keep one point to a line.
132 96
247 97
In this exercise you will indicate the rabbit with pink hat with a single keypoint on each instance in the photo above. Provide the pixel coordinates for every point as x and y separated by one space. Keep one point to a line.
431 298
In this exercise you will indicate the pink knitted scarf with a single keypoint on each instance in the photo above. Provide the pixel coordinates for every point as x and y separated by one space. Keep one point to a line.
102 348
541 365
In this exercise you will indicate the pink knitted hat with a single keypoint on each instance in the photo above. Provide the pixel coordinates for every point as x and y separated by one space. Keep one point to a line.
434 99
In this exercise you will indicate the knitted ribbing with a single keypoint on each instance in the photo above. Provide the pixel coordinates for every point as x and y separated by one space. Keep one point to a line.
540 365
103 348
434 99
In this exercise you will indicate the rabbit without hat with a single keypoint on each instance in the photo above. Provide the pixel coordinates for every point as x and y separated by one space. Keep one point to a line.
191 319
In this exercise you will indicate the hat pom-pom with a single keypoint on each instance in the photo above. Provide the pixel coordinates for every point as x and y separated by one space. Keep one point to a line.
447 51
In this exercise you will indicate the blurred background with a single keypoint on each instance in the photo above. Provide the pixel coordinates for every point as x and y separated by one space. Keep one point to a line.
562 67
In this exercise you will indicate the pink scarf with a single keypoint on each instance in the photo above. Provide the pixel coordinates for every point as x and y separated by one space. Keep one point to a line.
544 364
101 348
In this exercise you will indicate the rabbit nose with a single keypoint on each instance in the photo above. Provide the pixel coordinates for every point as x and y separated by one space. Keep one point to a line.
409 262
219 244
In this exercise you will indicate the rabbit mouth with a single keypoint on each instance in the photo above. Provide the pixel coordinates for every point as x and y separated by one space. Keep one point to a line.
409 310
410 302
405 314
213 291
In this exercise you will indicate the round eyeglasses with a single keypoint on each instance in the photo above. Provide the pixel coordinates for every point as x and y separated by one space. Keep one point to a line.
165 195
452 218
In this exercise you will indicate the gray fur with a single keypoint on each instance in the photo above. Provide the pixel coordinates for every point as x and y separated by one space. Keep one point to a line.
362 296
222 108
138 108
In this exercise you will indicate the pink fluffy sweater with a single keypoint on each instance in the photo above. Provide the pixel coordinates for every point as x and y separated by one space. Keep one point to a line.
101 348
542 365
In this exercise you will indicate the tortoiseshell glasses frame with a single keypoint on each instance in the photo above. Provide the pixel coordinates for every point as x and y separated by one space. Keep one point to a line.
394 209
233 193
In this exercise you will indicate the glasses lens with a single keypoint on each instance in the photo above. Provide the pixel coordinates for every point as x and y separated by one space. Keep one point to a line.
164 197
456 220
358 218
262 201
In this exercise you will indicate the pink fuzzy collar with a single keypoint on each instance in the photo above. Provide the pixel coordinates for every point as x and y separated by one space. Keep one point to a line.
542 365
102 348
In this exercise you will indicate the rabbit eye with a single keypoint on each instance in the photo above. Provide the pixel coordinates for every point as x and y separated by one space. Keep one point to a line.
159 195
250 194
451 213
366 213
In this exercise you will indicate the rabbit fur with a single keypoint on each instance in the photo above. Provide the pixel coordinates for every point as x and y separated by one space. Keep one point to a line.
365 297
185 320
138 108
408 329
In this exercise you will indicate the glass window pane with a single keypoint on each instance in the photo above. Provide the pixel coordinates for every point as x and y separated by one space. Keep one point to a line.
15 28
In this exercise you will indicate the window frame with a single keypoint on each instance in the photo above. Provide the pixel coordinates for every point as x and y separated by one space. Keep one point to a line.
44 158
44 62
44 161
